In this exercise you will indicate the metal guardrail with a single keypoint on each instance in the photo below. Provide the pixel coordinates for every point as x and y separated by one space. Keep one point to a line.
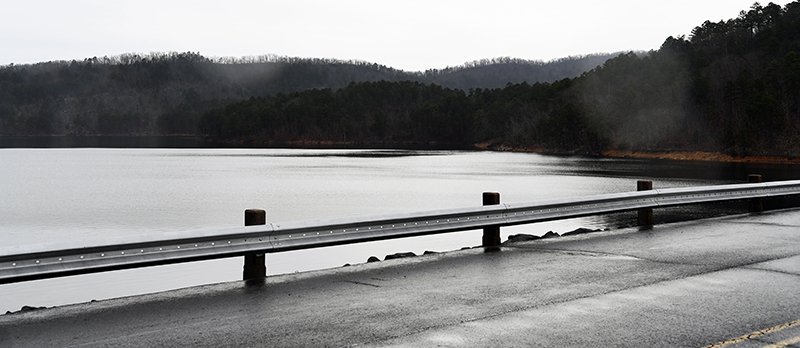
18 264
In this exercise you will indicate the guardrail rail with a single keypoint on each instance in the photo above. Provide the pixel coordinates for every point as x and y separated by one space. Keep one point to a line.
29 263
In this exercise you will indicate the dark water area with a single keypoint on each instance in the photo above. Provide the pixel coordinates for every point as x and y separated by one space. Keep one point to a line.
698 170
199 142
143 142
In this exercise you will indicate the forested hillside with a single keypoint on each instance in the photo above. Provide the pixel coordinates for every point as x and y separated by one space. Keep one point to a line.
154 94
732 86
163 94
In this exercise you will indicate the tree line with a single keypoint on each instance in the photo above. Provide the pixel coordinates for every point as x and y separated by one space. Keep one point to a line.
167 93
731 86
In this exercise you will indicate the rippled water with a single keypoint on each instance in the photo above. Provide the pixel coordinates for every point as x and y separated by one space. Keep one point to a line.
86 196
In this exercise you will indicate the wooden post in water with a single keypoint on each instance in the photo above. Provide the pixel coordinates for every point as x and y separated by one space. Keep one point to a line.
645 218
756 205
255 266
491 234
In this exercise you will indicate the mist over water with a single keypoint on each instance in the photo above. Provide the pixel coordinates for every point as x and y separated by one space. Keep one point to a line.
79 197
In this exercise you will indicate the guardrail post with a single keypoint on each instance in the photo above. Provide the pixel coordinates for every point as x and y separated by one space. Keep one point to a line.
756 205
255 266
645 218
491 234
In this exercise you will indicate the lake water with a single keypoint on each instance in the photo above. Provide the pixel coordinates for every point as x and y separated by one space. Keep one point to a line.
87 195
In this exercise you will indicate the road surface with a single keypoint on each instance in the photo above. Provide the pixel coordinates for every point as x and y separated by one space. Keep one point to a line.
732 282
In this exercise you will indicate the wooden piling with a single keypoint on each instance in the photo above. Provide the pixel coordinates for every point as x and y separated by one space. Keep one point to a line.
491 234
645 218
255 266
756 205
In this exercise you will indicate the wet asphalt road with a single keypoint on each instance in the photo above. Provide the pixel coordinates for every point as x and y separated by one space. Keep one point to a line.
729 281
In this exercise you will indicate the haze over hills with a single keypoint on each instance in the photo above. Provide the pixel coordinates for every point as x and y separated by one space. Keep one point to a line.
731 87
161 94
499 72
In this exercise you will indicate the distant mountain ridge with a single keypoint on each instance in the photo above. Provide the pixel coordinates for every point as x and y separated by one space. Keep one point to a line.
499 72
166 93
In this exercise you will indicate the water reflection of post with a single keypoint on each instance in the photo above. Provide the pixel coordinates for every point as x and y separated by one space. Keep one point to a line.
645 220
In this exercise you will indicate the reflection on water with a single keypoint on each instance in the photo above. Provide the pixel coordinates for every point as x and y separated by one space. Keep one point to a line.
102 141
328 153
86 196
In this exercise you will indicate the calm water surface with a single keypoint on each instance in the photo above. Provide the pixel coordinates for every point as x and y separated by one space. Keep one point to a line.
86 196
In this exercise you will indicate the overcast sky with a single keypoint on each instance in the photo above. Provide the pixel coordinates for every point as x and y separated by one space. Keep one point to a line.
407 34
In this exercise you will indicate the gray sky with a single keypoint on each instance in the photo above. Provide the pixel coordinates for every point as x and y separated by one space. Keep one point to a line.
408 34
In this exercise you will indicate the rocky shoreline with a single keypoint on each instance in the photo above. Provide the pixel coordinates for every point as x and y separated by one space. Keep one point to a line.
692 156
703 156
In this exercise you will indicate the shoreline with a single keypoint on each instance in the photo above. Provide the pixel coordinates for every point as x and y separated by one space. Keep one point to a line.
686 156
189 141
700 156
